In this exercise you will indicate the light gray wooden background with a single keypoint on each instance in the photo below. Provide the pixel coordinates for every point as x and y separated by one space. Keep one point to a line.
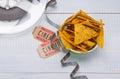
19 58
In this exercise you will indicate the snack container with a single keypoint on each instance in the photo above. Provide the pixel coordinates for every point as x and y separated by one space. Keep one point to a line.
74 51
81 33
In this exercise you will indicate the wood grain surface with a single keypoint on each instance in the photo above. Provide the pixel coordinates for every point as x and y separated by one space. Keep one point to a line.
19 58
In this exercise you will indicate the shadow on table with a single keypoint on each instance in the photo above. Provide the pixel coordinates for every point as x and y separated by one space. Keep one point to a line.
85 57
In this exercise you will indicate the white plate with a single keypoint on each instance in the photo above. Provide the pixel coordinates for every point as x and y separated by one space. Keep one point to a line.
34 13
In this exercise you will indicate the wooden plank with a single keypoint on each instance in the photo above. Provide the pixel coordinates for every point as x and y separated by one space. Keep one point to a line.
18 53
90 6
54 76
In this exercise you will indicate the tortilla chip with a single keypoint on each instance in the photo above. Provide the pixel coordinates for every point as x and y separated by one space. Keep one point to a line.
89 43
87 23
83 14
76 20
67 34
70 31
66 44
81 48
100 38
83 33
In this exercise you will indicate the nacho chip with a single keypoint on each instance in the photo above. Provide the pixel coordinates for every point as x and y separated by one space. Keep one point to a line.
83 14
76 20
87 23
77 49
81 48
89 43
66 38
83 33
67 34
100 38
67 45
69 31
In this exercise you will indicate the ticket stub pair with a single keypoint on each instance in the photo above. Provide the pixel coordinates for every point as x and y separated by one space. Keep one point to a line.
50 45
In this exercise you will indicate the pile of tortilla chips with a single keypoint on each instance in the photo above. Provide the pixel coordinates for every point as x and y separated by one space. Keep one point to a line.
81 32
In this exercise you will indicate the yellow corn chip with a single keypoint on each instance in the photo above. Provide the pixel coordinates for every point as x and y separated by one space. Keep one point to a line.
81 48
77 49
89 24
68 30
82 13
76 20
64 41
89 43
68 35
83 33
100 38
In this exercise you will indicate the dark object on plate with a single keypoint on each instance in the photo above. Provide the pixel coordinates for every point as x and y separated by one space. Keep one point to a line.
13 13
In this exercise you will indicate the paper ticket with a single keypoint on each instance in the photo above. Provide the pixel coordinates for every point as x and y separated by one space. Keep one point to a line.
43 34
49 48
